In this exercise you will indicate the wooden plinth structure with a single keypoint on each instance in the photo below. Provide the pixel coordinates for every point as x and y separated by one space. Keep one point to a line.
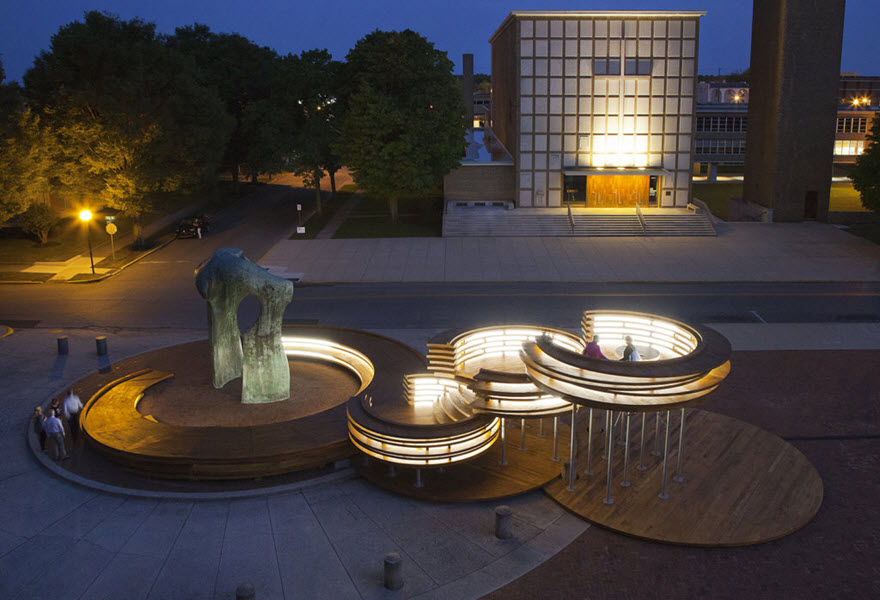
138 443
742 486
483 478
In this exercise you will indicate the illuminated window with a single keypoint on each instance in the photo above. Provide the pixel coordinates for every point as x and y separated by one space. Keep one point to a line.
848 147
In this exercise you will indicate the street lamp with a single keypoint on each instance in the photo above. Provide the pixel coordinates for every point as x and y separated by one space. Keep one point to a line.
85 216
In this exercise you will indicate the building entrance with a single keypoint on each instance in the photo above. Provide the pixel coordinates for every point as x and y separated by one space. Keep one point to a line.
610 191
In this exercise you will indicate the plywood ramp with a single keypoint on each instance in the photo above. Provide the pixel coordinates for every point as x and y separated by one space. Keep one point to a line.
743 486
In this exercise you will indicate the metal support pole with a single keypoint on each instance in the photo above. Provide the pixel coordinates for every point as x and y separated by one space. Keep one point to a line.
572 452
656 450
663 493
391 471
625 482
642 466
419 483
555 439
589 470
503 444
89 238
522 443
609 449
541 433
678 476
621 419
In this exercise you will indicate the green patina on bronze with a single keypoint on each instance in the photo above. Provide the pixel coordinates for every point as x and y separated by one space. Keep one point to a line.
258 355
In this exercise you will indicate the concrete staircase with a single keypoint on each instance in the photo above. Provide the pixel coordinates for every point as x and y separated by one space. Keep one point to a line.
498 222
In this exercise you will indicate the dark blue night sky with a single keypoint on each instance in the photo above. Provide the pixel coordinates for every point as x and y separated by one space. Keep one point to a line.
456 26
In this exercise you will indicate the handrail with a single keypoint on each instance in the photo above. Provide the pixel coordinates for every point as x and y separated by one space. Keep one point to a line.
641 219
570 218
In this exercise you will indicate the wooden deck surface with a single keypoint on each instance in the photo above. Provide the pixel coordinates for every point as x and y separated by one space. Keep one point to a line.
482 478
142 445
742 486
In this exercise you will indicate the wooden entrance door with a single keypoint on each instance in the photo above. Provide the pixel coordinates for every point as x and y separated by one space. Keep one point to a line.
617 191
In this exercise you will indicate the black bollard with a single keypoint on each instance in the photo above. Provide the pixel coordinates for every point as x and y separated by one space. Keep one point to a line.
101 345
393 571
63 347
245 591
503 522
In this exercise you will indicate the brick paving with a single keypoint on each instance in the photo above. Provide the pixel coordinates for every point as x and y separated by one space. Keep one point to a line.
826 403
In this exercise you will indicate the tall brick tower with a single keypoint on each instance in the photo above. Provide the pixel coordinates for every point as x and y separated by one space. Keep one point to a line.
795 75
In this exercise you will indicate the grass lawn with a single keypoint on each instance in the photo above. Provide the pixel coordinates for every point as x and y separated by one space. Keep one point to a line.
717 196
317 222
370 219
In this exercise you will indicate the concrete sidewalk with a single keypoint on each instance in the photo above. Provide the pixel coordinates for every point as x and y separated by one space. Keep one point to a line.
741 252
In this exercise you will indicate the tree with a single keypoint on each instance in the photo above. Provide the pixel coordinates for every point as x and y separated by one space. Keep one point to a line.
310 101
866 174
38 220
241 72
404 128
26 151
128 114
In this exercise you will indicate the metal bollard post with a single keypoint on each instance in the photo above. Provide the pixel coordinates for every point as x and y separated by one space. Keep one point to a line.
245 591
101 345
503 522
393 571
63 347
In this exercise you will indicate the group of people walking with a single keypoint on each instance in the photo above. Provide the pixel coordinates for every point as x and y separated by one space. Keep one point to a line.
592 350
50 428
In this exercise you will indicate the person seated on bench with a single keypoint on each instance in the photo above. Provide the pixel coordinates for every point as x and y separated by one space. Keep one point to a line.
629 352
592 349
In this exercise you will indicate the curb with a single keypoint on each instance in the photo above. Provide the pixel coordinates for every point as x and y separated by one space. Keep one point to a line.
123 267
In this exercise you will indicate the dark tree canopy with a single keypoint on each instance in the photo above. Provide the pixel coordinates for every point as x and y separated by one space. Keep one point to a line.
866 174
404 128
241 72
307 93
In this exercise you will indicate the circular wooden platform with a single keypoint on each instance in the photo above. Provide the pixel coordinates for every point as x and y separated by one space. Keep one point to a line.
287 438
483 478
743 486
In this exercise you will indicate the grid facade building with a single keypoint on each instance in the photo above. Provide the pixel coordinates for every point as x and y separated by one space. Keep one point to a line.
597 107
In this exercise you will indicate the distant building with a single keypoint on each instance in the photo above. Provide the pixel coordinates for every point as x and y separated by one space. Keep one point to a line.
722 93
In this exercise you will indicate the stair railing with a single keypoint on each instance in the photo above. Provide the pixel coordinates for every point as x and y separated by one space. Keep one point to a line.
641 219
570 219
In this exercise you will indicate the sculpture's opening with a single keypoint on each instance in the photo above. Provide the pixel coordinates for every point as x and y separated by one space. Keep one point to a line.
249 310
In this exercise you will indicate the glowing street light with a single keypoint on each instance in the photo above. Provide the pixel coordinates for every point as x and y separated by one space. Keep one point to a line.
85 216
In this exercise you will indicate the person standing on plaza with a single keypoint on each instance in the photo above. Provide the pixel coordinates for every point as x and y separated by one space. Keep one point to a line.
39 419
71 409
593 350
629 352
55 432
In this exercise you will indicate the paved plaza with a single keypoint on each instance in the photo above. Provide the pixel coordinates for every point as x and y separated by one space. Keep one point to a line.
741 252
59 539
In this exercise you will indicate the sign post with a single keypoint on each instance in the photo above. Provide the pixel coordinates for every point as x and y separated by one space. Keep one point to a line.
111 229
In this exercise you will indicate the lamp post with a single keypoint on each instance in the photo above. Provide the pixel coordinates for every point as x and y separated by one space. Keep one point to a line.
86 216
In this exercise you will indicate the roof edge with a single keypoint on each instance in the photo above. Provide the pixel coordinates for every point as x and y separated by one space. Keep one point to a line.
596 13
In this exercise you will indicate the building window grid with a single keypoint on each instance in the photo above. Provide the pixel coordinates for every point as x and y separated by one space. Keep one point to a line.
722 124
852 124
639 66
720 147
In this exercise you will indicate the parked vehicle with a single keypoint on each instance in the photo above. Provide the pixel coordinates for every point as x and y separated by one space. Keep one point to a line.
194 227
